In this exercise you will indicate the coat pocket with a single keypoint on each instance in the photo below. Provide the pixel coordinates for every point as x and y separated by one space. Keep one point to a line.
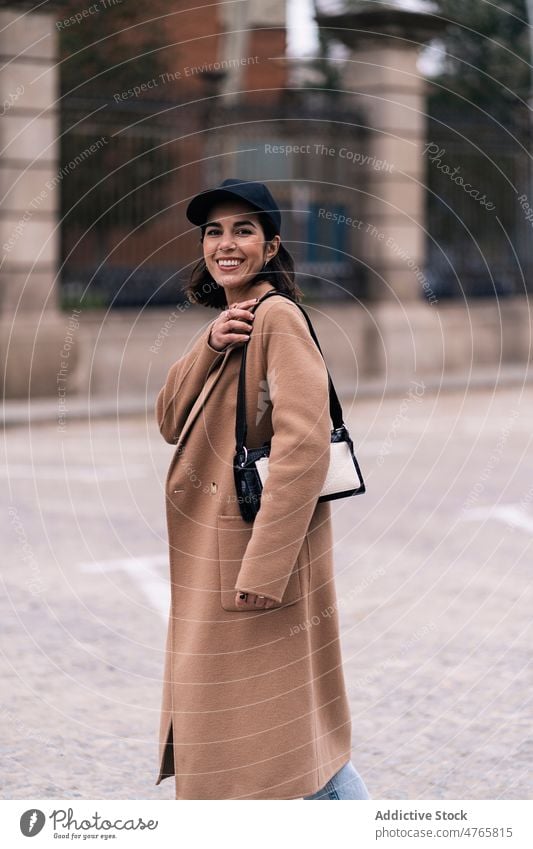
233 537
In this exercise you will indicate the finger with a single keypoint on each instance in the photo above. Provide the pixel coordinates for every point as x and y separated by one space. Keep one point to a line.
242 305
236 339
247 603
251 603
247 303
260 601
232 335
234 325
230 342
254 602
238 313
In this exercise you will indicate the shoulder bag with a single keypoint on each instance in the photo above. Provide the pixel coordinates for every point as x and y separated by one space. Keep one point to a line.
250 465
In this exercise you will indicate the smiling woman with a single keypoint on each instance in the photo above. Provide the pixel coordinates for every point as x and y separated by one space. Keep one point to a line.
254 706
234 246
240 235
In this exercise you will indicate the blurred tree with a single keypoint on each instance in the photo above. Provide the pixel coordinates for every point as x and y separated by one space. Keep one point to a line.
112 49
116 47
324 63
481 125
487 56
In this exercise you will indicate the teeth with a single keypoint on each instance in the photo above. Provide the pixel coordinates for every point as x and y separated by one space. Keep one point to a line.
229 263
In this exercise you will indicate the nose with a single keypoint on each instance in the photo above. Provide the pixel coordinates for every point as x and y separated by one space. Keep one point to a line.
227 241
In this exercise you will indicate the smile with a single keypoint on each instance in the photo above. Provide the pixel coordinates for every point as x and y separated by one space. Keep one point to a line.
229 263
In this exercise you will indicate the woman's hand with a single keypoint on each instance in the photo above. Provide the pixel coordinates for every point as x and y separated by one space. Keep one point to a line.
248 601
234 325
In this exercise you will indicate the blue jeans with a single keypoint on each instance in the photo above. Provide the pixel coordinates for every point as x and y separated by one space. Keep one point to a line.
345 784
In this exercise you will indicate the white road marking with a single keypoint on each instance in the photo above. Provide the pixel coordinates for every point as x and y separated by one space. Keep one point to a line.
147 574
510 514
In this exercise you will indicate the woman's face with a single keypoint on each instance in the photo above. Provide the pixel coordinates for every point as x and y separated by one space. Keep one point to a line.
234 244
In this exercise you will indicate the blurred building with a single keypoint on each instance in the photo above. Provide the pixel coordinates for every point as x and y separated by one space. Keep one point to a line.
95 186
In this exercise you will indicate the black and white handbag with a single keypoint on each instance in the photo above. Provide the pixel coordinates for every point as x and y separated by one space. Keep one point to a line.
250 465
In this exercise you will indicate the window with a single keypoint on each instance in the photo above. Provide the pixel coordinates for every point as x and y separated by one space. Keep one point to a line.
327 240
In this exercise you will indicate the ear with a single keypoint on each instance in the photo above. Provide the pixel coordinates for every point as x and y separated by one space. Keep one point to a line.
272 247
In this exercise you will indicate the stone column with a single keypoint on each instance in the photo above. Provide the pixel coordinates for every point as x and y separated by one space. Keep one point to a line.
32 329
403 336
393 97
385 44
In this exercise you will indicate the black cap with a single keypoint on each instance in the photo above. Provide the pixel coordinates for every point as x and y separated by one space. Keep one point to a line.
253 193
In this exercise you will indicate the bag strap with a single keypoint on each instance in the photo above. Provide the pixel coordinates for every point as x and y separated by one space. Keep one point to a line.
335 409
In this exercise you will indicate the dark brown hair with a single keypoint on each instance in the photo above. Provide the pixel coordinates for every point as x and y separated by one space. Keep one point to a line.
279 271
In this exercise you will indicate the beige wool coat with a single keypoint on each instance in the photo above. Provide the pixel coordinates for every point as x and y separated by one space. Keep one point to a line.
254 704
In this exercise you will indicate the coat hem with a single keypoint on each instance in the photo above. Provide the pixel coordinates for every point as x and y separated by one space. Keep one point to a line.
320 785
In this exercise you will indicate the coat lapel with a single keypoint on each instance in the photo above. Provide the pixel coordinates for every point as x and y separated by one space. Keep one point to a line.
211 381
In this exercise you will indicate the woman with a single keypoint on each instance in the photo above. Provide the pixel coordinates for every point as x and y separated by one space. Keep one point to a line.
254 703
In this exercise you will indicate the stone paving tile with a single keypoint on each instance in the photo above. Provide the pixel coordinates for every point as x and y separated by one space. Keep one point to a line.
434 601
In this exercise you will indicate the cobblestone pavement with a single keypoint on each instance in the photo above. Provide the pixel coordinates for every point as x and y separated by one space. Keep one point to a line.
434 591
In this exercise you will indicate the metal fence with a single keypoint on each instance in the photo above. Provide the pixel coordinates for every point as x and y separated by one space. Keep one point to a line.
130 169
480 236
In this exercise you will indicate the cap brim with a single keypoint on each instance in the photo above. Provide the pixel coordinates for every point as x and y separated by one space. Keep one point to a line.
198 209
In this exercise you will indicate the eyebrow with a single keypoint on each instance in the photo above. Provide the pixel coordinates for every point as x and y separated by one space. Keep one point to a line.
236 224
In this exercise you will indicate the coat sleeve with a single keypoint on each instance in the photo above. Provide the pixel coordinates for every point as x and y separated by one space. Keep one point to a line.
299 457
183 385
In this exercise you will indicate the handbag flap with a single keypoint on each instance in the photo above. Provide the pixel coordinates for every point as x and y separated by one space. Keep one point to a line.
342 473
